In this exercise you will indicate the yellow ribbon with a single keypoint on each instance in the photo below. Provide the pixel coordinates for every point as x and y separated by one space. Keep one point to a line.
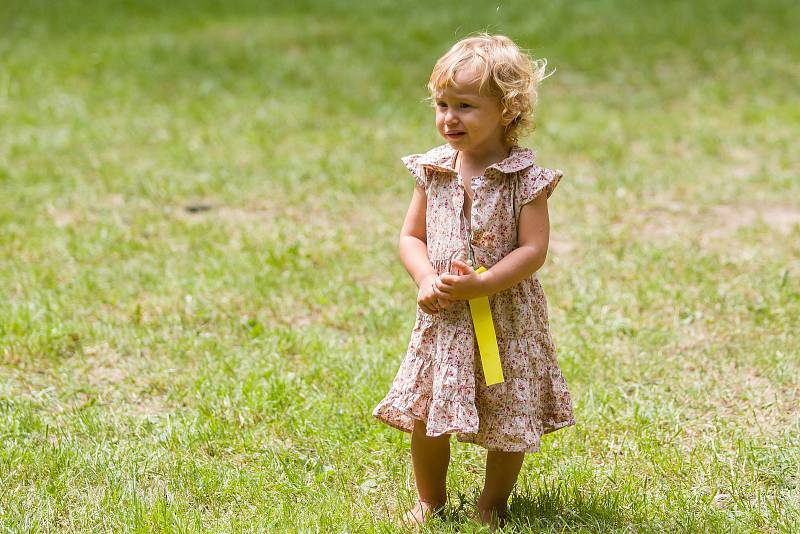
487 338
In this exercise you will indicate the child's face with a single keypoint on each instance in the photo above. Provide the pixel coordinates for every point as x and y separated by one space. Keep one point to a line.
469 121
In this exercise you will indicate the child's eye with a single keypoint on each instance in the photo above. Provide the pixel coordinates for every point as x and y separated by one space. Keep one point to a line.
465 105
441 104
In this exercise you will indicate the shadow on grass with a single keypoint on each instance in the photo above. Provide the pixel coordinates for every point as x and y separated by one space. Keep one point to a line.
556 507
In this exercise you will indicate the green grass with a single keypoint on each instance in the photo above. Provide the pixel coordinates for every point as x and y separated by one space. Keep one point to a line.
163 370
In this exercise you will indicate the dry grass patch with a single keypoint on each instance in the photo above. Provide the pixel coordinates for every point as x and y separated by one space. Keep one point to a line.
739 395
561 246
148 406
713 227
104 366
782 219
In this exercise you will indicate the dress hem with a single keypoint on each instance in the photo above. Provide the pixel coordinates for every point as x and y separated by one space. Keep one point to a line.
380 415
463 437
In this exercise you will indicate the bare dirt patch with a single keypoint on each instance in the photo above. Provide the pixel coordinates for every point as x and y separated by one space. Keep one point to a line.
106 375
62 217
148 407
104 366
124 383
252 213
561 246
728 219
738 395
668 220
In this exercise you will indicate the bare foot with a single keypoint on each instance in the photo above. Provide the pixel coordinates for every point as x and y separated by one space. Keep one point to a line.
492 517
421 513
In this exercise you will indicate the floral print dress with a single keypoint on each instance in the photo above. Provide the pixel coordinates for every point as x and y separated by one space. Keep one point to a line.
440 380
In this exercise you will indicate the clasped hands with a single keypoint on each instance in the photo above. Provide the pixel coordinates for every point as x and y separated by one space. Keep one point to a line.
438 292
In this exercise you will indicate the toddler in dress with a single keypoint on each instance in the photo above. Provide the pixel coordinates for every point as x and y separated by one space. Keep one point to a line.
479 197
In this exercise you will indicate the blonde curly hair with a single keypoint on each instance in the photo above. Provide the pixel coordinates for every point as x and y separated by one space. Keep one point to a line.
503 70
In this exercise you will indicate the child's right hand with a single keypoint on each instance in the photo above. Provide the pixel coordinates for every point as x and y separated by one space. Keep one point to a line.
427 298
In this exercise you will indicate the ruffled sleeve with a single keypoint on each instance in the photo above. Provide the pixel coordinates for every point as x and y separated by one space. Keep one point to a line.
412 164
533 182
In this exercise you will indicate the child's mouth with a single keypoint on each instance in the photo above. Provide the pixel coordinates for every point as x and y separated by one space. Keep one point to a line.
454 135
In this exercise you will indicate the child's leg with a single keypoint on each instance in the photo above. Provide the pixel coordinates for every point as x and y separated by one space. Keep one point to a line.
502 469
430 458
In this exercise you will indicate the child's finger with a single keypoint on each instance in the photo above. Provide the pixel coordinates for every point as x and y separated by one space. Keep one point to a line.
446 279
464 267
430 310
440 295
441 288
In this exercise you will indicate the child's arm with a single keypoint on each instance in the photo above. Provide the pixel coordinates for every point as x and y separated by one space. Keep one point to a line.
533 239
519 264
414 254
413 239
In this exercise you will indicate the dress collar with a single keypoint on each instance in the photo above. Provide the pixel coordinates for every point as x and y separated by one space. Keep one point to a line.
443 158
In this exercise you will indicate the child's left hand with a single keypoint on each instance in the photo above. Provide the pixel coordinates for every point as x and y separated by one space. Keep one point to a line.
465 285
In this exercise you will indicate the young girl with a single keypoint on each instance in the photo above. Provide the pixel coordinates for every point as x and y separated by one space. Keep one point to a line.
478 196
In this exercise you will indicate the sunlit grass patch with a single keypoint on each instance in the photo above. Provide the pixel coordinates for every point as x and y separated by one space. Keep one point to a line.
201 300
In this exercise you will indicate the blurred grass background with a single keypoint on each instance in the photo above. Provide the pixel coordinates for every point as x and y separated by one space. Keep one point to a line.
201 300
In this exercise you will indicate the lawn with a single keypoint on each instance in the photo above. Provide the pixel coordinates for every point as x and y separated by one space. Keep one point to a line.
201 299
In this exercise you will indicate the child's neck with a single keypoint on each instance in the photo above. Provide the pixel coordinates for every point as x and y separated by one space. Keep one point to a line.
480 159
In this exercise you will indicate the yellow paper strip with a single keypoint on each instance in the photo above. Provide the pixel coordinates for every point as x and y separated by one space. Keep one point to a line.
487 338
